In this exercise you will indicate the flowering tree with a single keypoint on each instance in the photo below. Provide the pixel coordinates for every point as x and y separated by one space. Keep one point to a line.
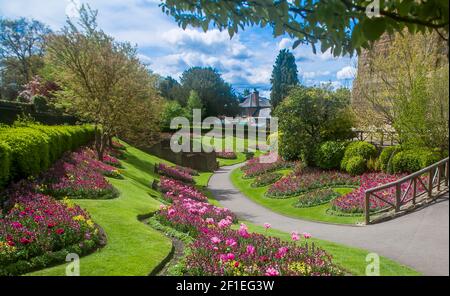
102 80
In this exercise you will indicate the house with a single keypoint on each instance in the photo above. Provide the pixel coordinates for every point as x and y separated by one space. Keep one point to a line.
255 106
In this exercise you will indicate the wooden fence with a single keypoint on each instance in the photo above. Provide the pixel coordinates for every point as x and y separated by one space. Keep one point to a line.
420 187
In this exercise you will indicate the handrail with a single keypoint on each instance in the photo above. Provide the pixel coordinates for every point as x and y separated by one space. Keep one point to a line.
436 171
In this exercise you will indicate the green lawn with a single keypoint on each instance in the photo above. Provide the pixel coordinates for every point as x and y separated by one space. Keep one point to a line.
285 206
133 248
225 162
351 259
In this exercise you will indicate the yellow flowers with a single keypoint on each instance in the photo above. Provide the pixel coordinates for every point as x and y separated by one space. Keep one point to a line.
6 249
300 267
78 218
69 203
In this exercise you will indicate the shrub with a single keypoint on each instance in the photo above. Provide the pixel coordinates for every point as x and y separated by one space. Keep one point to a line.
386 156
356 165
362 149
5 163
413 160
329 155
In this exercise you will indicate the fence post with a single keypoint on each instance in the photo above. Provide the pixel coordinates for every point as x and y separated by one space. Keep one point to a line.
446 173
414 190
439 172
430 183
398 194
367 208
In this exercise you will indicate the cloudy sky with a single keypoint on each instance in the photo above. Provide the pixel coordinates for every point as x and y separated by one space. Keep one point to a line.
245 61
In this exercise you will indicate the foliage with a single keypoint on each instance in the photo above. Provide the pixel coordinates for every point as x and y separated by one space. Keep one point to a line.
412 90
339 26
21 50
34 147
353 202
171 110
310 116
216 95
356 165
5 163
385 158
329 154
359 149
309 179
193 102
413 160
266 179
170 89
109 85
315 197
284 77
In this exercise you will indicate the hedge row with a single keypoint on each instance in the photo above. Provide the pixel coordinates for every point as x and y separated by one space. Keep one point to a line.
27 151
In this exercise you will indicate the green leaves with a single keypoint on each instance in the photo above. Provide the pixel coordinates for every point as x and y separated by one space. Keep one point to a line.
373 28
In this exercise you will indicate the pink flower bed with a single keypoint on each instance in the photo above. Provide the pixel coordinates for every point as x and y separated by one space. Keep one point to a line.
80 175
37 224
226 155
175 187
353 202
174 173
254 167
308 179
220 250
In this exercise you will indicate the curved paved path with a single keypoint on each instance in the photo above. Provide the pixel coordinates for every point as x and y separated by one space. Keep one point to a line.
419 240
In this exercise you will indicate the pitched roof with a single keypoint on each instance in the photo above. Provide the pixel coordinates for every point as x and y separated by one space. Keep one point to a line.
248 102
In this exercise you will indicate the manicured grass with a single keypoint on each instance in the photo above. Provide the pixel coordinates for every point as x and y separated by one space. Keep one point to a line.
133 248
225 162
353 260
285 206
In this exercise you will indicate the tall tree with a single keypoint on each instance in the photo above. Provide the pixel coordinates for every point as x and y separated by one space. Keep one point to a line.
217 96
21 50
102 80
171 90
284 77
340 26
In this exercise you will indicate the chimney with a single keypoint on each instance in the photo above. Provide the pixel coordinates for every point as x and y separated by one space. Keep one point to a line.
255 98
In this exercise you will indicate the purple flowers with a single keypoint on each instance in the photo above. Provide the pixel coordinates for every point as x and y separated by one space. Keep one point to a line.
226 155
175 173
254 167
175 187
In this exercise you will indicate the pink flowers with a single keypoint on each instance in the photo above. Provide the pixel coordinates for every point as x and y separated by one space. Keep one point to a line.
295 236
175 187
307 235
243 231
250 250
267 225
225 223
215 240
254 167
271 272
226 155
174 173
230 242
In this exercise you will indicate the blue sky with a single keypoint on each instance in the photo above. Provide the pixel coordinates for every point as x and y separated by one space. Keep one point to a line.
245 61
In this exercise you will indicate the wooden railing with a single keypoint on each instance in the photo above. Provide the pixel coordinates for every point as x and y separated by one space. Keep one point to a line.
422 186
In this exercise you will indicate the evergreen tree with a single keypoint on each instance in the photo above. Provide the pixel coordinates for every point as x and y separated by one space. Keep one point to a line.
284 76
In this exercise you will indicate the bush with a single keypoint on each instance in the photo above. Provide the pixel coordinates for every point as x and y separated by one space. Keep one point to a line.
413 160
356 165
32 148
329 155
360 149
386 156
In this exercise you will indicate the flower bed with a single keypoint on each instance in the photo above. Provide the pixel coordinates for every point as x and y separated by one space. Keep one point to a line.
266 179
315 198
37 228
308 179
175 187
220 250
353 202
80 175
174 173
254 167
226 155
187 170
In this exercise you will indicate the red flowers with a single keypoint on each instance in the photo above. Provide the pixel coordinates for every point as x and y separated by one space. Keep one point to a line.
59 231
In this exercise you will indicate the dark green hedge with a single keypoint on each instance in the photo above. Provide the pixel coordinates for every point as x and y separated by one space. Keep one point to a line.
413 160
26 151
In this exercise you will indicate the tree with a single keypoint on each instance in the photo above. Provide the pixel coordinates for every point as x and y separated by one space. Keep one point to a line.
171 110
340 26
171 90
22 47
310 116
101 80
193 102
216 95
407 88
284 77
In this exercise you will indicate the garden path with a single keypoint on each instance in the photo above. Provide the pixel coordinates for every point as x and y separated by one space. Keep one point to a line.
419 240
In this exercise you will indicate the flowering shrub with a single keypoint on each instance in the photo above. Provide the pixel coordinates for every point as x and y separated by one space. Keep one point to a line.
266 179
37 225
316 197
175 187
187 170
80 175
255 167
353 202
174 173
226 155
308 179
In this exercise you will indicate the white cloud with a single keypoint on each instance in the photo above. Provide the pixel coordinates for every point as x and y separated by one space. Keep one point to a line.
347 72
285 43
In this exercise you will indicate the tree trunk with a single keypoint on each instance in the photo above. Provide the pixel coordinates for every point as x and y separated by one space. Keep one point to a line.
101 139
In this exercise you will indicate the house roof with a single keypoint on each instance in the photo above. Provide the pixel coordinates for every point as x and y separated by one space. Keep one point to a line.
248 102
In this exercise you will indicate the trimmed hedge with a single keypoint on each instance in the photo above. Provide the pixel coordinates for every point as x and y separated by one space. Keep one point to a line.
358 149
386 156
413 160
356 165
329 154
29 150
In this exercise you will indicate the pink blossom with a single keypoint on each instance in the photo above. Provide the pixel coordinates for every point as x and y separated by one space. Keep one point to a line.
250 250
215 240
267 225
230 242
307 235
272 272
295 236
